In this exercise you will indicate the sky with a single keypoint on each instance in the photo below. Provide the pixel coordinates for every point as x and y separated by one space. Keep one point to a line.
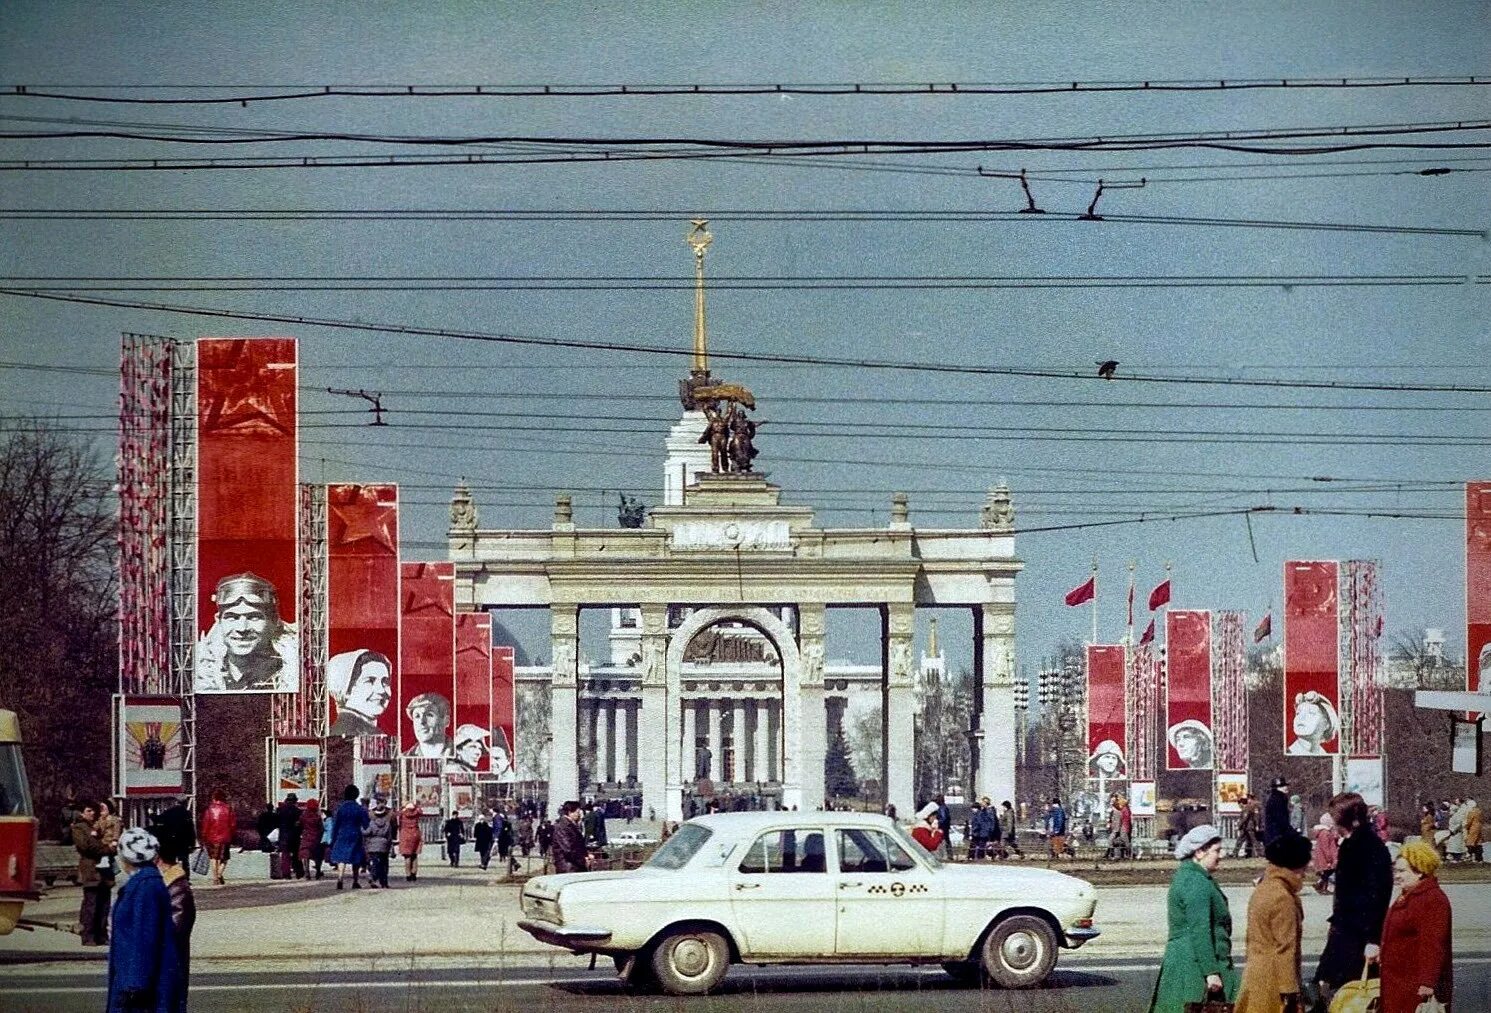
1076 451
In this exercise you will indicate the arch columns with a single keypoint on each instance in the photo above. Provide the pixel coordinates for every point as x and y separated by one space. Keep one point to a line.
898 626
653 722
564 687
805 724
994 658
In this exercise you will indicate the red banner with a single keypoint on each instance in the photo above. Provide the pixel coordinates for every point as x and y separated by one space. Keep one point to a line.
362 606
1312 647
1107 732
473 694
1188 727
427 658
1478 586
504 707
247 498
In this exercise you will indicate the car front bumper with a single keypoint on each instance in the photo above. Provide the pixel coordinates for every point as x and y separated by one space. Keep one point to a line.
1076 937
579 938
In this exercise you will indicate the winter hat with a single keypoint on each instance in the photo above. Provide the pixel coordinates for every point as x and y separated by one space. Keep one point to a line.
930 809
1288 851
1195 839
1421 857
138 847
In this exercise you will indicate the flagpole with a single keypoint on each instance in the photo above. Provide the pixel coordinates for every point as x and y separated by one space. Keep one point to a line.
1129 640
1094 600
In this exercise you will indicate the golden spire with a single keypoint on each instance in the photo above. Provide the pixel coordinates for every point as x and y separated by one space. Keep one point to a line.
932 639
700 239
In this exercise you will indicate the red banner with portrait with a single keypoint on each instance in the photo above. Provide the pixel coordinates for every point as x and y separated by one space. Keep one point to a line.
427 659
504 708
1190 743
473 694
247 508
362 609
1478 586
1312 650
1107 730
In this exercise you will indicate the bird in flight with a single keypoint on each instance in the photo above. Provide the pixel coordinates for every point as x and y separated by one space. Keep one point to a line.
1107 368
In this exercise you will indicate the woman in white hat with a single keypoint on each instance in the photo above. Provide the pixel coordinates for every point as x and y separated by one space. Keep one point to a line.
1198 951
146 970
927 831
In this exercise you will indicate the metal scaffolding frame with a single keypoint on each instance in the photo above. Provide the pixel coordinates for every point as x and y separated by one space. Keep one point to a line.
1361 646
183 542
145 386
303 714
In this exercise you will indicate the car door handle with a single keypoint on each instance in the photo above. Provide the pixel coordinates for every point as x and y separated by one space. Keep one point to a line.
849 884
747 886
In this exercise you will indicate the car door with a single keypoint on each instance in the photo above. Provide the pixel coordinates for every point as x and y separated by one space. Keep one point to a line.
782 895
889 904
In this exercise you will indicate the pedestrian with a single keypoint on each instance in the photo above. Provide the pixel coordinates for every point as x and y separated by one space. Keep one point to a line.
1297 814
377 842
287 821
110 827
1364 882
481 835
525 833
1454 842
1011 828
1416 961
544 837
1473 829
1121 829
945 824
1247 828
145 967
265 825
218 827
890 809
1056 829
347 851
312 828
1276 811
1271 981
1426 823
175 831
183 916
1198 951
93 860
1327 850
978 833
928 831
567 841
505 842
1379 823
411 839
455 835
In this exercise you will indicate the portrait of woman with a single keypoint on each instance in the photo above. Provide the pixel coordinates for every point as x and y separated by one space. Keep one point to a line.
1315 723
360 683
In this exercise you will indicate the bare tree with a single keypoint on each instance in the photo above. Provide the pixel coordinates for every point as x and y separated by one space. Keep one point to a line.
1413 665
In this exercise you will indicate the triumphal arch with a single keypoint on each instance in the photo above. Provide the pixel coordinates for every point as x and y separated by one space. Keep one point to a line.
719 599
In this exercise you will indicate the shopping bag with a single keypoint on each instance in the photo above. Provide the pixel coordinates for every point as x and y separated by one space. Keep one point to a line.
1360 996
1431 1005
200 862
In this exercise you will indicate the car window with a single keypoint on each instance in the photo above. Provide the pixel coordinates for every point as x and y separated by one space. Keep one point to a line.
785 851
871 851
681 847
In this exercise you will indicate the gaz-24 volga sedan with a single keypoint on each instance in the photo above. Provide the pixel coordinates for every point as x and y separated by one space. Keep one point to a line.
809 888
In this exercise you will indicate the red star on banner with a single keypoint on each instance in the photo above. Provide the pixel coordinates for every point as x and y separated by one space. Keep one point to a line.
359 516
423 592
255 400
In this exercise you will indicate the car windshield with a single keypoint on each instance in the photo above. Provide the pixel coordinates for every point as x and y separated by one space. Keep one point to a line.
915 848
681 847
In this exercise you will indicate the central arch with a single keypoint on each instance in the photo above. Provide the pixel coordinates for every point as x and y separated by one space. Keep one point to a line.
782 637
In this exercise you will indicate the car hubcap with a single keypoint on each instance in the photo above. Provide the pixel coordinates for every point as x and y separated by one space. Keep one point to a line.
691 957
1020 951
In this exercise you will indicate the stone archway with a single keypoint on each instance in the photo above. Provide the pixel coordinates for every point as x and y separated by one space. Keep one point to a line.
782 638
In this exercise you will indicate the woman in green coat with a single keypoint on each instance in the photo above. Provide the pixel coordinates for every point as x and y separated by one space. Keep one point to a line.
1198 952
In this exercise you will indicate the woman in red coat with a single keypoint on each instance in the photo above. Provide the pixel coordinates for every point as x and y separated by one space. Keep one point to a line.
218 826
926 832
1415 953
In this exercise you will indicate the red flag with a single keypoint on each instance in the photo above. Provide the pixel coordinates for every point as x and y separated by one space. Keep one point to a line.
1131 602
1377 631
1148 635
1084 593
1160 595
1264 629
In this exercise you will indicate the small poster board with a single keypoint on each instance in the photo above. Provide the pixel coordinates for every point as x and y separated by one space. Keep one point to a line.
1465 745
294 767
1142 798
1231 787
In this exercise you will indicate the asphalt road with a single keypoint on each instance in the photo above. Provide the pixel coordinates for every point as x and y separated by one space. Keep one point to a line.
1076 985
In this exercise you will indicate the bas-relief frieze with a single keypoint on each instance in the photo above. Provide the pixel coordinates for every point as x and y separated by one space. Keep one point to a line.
733 535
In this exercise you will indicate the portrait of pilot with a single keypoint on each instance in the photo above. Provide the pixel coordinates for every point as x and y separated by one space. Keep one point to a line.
249 648
470 745
429 713
1107 761
1192 742
361 684
1315 723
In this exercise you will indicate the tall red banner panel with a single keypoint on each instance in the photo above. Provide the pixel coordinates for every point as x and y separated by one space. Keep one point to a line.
1312 649
427 658
1478 586
504 707
1107 731
1188 725
473 693
362 609
247 502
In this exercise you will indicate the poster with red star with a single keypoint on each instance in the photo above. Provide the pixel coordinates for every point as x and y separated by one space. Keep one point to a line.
1107 733
1478 586
362 609
473 694
427 659
1312 651
504 707
247 502
1190 740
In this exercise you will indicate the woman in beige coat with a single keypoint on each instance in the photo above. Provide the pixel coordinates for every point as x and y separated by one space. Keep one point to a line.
1270 982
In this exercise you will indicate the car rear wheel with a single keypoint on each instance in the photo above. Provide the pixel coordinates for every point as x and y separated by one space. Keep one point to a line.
690 961
1019 952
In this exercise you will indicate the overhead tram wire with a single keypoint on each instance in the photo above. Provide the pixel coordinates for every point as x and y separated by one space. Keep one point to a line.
734 356
298 92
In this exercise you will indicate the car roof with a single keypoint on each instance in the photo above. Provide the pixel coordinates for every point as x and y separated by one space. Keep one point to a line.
747 822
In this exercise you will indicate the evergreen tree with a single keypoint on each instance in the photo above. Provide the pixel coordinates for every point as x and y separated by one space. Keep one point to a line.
839 778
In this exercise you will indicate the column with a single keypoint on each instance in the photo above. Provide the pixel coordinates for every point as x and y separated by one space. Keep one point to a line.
774 741
759 732
657 717
690 746
806 744
623 740
564 762
898 625
716 711
742 742
994 632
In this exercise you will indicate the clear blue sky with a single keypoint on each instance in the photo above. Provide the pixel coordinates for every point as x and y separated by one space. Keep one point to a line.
1393 334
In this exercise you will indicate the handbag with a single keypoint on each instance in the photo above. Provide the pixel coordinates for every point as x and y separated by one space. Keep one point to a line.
1360 996
200 862
1431 1005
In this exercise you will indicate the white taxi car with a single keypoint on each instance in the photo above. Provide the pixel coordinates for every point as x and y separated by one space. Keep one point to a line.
809 888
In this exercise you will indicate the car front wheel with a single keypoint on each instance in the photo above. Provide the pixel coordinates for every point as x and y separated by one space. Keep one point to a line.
1019 952
690 961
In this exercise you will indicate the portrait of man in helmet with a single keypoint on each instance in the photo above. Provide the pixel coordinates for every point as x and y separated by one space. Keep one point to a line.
249 648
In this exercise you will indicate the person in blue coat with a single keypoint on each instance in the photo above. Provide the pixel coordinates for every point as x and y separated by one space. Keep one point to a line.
146 971
346 836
